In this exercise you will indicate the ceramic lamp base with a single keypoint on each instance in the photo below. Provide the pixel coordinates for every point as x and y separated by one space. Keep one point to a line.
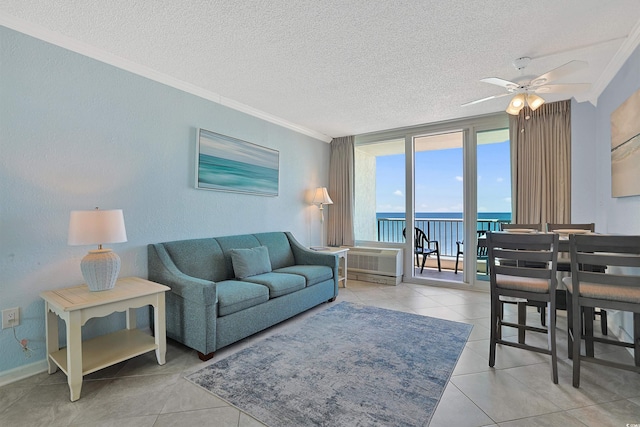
100 269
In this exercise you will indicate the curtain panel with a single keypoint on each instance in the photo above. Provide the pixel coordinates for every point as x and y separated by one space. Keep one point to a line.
541 164
340 230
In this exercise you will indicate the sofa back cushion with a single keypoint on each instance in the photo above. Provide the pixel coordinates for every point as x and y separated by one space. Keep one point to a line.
279 249
202 258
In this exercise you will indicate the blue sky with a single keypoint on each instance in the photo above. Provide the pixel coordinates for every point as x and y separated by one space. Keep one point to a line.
439 180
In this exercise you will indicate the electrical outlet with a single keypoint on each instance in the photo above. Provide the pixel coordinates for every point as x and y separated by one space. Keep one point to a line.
10 317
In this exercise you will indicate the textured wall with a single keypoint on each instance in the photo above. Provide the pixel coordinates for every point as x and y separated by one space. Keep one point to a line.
76 133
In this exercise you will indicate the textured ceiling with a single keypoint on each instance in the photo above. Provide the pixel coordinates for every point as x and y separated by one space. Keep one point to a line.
343 67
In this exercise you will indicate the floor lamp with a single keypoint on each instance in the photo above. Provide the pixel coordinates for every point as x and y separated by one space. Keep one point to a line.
322 198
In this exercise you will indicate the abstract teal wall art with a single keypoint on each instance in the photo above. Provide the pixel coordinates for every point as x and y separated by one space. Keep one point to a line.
224 163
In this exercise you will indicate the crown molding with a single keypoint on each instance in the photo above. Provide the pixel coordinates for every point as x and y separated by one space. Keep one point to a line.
84 49
627 48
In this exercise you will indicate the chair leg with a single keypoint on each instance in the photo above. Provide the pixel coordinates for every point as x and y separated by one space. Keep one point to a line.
424 259
438 255
603 321
588 331
551 331
522 320
577 331
636 338
457 259
496 308
569 327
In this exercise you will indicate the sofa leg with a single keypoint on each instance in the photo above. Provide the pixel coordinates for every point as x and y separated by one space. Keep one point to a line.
205 357
332 299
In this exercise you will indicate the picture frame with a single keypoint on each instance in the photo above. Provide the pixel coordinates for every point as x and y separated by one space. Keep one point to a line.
224 163
625 148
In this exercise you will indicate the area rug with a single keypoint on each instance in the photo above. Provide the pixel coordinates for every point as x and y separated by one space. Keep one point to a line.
349 365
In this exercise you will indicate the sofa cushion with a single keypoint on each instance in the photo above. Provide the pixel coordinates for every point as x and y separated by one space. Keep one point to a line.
278 283
312 273
234 295
279 246
201 258
249 262
227 243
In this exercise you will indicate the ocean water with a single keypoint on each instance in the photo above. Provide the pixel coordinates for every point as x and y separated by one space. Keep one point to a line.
501 216
230 175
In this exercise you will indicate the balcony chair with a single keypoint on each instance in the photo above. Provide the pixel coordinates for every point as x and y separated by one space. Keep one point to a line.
422 246
516 280
564 264
481 250
587 289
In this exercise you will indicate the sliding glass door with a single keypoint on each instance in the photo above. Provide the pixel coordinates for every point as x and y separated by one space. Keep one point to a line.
448 180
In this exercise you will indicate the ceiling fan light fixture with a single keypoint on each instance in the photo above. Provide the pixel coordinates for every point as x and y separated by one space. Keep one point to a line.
516 104
534 101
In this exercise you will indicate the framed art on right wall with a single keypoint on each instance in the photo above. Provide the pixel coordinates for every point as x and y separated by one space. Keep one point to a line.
625 148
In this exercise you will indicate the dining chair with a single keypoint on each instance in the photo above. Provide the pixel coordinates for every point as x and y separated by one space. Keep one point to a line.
481 249
564 260
526 228
617 289
518 280
423 246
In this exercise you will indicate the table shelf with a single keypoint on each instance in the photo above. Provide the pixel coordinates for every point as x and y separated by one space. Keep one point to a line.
107 350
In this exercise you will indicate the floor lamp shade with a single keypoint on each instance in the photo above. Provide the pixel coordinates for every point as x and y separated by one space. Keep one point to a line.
100 267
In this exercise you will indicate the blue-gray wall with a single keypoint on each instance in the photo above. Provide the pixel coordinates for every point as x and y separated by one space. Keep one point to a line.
77 133
591 168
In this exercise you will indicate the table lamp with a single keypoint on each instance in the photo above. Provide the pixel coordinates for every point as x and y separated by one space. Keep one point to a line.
321 198
99 267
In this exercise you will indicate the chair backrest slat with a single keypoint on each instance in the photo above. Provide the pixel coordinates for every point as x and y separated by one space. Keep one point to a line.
537 273
505 226
586 226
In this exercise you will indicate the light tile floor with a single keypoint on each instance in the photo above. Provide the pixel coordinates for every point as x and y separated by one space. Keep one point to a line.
517 392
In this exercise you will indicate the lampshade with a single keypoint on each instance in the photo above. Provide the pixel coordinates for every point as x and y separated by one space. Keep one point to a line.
322 197
516 104
520 100
534 101
100 268
96 227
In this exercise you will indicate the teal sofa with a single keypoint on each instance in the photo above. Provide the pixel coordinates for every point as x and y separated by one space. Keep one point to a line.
209 307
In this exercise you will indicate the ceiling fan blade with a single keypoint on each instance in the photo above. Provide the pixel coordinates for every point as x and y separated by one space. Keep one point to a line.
500 82
558 73
477 101
563 88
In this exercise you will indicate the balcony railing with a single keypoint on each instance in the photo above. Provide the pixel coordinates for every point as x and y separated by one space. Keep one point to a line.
446 231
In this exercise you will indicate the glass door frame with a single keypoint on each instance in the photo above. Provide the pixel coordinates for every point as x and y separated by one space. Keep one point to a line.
469 132
470 127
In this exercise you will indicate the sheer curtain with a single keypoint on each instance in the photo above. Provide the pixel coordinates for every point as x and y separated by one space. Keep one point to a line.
341 178
541 164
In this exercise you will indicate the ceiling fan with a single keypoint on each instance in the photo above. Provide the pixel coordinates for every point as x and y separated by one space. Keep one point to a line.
526 88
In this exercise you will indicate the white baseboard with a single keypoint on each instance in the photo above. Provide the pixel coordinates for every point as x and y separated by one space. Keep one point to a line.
22 372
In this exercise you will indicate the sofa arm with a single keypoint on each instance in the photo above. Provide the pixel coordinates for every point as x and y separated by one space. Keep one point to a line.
163 270
306 256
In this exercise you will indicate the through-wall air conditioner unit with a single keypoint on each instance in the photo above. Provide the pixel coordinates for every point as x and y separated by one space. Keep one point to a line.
378 265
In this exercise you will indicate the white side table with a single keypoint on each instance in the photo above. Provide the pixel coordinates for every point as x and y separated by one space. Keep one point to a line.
77 304
342 259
